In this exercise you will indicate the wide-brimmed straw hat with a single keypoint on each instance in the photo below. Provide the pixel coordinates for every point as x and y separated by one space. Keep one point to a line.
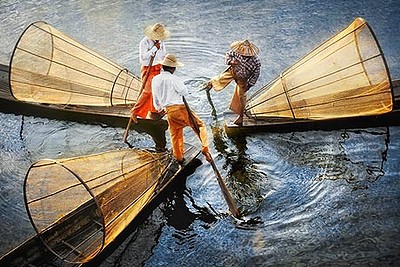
157 32
171 61
245 48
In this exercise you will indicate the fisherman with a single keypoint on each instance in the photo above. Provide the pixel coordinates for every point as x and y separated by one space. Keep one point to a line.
244 69
151 49
168 92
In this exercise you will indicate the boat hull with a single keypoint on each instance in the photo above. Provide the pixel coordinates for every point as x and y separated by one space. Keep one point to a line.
293 125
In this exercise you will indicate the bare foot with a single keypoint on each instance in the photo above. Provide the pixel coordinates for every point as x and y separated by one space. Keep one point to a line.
239 121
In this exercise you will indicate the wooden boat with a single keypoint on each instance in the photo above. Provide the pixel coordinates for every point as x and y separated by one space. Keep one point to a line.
51 75
105 193
340 83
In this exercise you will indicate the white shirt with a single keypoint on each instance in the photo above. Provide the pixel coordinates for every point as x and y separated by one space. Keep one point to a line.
147 49
168 90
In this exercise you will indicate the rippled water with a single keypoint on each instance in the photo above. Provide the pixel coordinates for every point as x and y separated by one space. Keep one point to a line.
312 198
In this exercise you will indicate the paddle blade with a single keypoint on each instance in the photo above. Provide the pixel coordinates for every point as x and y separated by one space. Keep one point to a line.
227 196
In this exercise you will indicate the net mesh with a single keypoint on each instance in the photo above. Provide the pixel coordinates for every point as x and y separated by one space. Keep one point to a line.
49 67
346 76
79 205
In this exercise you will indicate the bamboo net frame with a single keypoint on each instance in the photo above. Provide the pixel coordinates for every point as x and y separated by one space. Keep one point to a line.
49 67
79 205
346 76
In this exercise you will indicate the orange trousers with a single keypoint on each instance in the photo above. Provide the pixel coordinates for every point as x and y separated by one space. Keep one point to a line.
178 118
144 105
238 101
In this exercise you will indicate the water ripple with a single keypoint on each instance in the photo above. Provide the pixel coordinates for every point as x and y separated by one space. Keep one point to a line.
311 198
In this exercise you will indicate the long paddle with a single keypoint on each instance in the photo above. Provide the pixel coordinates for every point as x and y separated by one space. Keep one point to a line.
228 197
140 92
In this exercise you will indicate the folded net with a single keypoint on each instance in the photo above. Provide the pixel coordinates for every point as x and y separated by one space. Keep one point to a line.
346 76
79 205
49 67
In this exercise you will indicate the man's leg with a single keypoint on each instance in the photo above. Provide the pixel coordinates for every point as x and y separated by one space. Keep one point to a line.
176 126
202 135
238 102
221 81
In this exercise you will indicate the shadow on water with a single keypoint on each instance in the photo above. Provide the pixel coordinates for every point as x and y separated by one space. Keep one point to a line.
176 211
372 172
239 166
137 241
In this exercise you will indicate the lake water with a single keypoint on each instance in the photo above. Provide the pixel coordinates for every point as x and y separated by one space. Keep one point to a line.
316 198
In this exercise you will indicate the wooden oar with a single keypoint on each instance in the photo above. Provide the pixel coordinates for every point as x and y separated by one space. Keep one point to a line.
227 195
140 92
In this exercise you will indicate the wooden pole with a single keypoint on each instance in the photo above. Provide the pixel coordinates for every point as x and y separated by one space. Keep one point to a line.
225 192
140 92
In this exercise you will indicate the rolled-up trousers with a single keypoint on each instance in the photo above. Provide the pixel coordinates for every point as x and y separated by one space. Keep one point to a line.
238 101
178 118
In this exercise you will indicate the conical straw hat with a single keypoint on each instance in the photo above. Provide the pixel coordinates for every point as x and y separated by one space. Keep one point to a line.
171 61
157 32
245 48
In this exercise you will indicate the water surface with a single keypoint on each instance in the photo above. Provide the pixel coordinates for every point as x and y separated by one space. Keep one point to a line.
315 198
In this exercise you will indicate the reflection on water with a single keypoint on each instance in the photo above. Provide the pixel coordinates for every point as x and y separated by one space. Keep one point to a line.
244 178
356 156
316 198
14 161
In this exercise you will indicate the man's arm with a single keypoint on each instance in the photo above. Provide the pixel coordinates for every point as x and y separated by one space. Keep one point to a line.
155 93
146 51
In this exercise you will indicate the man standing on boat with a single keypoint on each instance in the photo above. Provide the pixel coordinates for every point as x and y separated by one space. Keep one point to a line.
151 49
244 69
168 94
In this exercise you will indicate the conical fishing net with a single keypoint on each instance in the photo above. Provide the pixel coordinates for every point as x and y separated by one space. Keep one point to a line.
49 67
346 76
79 205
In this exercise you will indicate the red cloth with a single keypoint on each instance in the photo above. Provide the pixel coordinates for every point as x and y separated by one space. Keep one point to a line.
145 101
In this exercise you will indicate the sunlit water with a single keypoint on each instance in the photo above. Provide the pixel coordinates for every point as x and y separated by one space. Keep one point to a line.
312 198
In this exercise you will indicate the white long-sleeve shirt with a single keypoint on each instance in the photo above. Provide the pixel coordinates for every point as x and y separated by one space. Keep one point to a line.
147 49
168 90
